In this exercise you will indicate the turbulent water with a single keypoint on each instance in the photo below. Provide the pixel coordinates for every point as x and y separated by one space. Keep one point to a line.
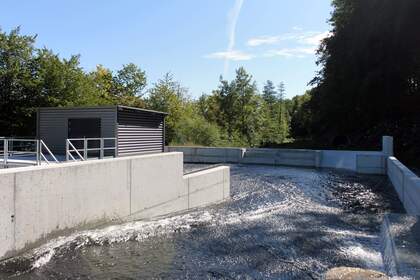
280 223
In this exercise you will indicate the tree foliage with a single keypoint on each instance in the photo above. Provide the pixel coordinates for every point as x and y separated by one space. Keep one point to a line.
370 73
32 78
235 114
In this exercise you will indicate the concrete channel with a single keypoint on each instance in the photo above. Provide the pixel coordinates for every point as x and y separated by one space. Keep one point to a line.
401 246
42 202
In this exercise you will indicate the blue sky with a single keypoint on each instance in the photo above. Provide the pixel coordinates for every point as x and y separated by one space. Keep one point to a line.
196 40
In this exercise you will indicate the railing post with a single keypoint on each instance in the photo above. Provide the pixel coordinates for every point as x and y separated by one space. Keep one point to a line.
101 151
38 151
67 149
6 152
85 146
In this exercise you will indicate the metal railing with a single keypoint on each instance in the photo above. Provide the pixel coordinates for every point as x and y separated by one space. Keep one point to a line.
25 152
78 149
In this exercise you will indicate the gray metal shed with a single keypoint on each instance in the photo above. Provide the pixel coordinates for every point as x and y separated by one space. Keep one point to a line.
136 131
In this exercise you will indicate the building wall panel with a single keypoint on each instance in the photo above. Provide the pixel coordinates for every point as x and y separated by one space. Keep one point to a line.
53 124
140 132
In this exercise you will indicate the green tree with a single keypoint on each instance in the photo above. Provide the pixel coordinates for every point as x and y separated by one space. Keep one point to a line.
276 118
227 99
283 115
16 60
30 78
168 95
369 83
248 107
269 93
208 107
130 80
301 116
125 87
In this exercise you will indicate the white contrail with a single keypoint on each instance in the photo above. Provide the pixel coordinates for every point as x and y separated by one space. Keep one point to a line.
232 20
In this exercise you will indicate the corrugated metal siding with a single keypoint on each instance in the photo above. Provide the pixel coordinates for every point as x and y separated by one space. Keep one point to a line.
53 122
140 132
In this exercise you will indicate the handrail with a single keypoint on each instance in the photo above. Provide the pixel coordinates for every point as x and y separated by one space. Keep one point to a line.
70 148
37 150
43 145
68 151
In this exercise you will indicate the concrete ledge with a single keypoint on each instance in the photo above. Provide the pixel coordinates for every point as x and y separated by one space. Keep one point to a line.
412 195
406 184
41 202
208 186
209 154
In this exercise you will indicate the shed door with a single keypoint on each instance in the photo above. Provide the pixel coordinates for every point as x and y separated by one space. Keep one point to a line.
84 128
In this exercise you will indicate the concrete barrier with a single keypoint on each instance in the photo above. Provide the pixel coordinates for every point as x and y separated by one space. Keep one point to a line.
290 157
406 184
38 203
359 161
209 154
208 186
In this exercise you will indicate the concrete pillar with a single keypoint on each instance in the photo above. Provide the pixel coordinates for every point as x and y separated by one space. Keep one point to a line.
388 145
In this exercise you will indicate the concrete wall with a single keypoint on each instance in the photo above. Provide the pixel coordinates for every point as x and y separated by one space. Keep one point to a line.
248 155
358 161
38 203
209 154
406 184
207 186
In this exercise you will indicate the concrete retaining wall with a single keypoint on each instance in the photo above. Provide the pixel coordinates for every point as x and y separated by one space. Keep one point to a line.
305 158
38 203
209 154
358 161
406 184
208 186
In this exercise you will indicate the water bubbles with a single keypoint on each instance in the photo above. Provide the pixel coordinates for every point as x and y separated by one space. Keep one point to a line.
280 222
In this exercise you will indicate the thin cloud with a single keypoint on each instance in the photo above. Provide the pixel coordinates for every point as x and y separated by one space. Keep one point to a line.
303 44
298 52
315 39
263 40
312 38
233 16
231 55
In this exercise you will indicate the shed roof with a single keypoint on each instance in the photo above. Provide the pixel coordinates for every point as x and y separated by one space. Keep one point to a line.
118 107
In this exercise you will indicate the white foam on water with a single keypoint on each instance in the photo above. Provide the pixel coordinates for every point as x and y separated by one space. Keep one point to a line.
44 259
371 258
295 202
140 230
350 233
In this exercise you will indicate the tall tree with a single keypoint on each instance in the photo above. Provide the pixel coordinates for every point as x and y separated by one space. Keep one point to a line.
248 117
269 92
30 78
227 99
168 95
16 60
281 90
283 116
130 80
370 66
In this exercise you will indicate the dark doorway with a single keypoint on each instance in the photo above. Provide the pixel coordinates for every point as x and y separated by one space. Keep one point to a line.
84 128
